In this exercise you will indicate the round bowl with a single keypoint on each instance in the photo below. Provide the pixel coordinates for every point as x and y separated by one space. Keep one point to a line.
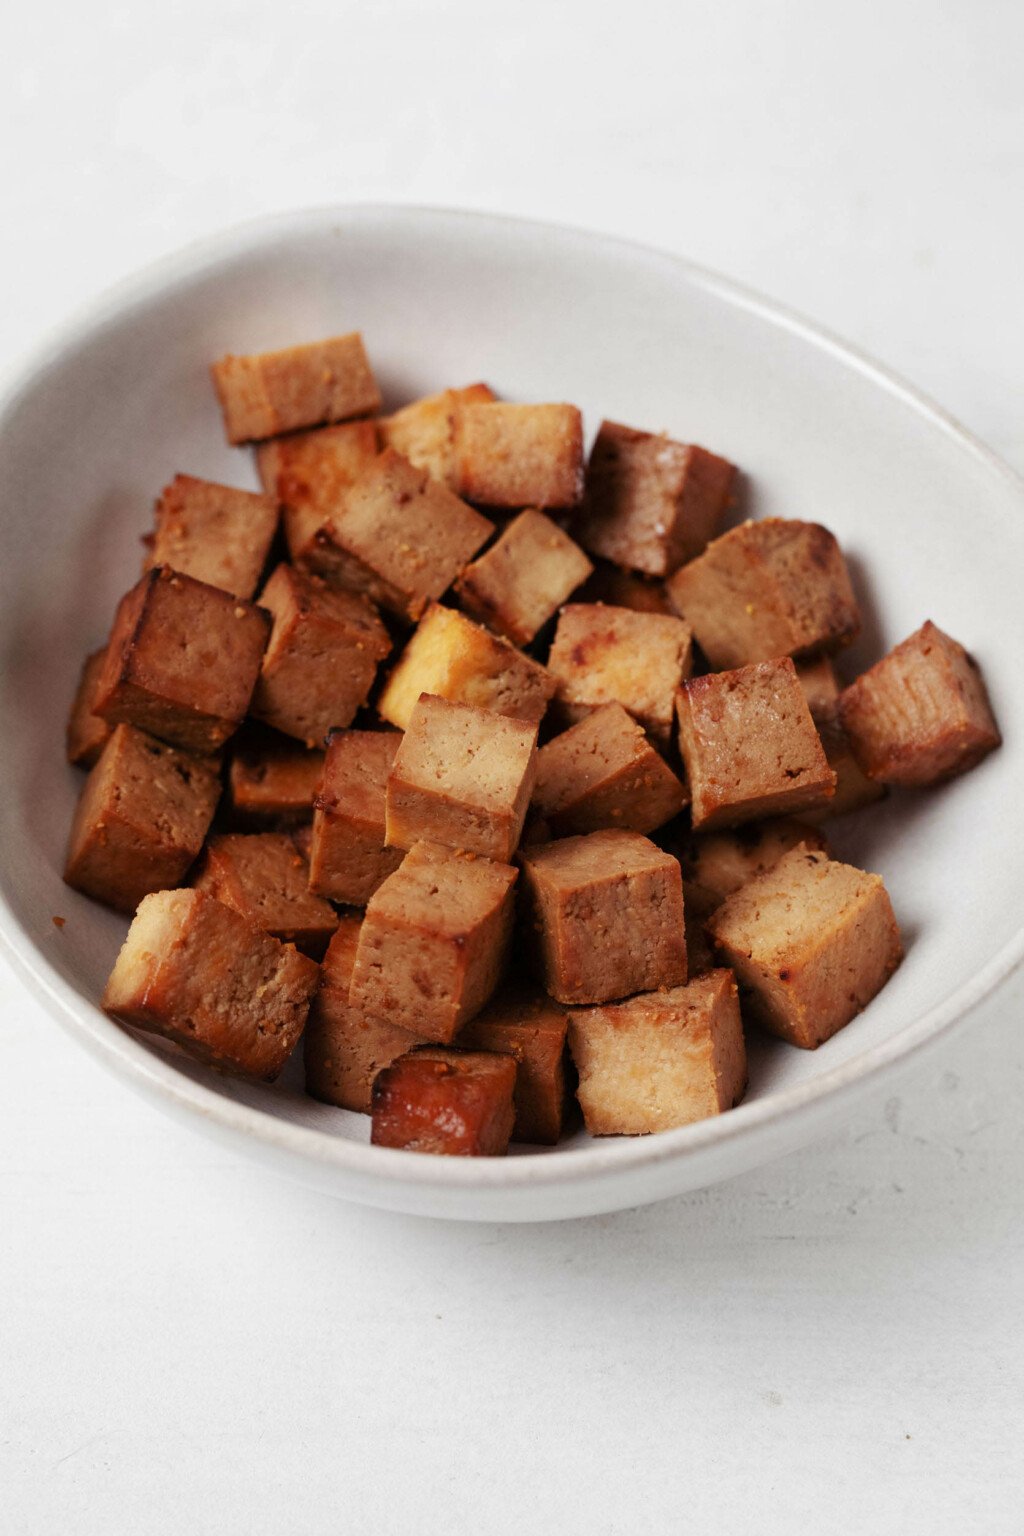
119 401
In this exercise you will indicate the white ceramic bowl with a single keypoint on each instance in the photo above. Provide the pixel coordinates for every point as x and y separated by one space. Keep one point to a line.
934 525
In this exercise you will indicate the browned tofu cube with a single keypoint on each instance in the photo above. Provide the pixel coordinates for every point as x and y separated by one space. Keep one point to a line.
521 455
182 661
302 837
530 1027
715 864
921 714
462 777
272 781
854 789
818 680
269 393
348 856
750 746
651 503
87 734
604 772
322 657
773 588
310 474
604 916
141 819
700 957
606 655
455 659
661 1060
344 1047
207 978
263 876
214 533
400 538
536 830
625 589
520 583
426 432
811 942
433 945
453 1103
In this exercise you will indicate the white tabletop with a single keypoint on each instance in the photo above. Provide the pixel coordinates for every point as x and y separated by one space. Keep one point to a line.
189 1345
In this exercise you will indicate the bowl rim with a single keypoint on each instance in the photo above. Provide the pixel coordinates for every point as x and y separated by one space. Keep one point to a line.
148 1070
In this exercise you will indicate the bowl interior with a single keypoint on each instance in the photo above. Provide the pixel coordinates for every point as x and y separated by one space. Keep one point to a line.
932 526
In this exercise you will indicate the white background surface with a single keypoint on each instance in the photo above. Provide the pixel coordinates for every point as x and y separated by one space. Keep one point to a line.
187 1344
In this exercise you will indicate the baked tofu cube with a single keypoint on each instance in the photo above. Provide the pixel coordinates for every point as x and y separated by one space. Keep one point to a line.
87 734
700 957
750 746
854 789
433 945
521 455
322 658
650 503
462 777
536 830
204 976
400 538
773 588
269 393
528 1026
811 942
141 819
606 655
818 680
426 432
302 837
520 583
662 1060
453 1103
182 661
455 659
310 474
625 589
345 1047
263 876
604 772
604 916
271 781
715 864
348 856
921 714
215 533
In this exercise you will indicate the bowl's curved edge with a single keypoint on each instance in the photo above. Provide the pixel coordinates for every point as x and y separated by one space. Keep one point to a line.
579 1182
587 1179
204 250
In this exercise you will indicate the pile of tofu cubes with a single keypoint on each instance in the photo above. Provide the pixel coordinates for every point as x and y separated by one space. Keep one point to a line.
493 773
